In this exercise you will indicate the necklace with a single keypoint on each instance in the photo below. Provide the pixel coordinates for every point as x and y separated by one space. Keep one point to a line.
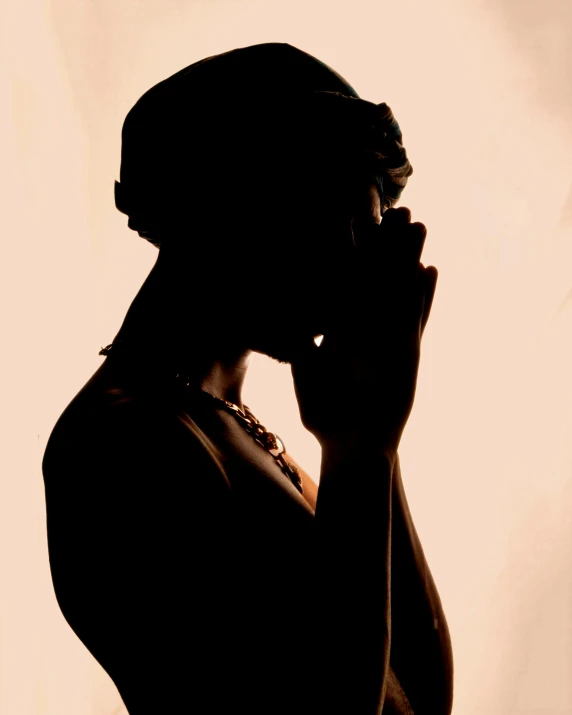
270 441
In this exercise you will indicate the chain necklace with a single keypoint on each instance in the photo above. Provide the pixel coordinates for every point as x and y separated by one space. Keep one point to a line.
270 441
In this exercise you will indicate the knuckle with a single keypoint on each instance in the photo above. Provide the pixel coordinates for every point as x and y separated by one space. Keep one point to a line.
402 212
419 227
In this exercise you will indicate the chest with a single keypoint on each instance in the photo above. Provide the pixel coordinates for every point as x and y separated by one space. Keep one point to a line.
254 473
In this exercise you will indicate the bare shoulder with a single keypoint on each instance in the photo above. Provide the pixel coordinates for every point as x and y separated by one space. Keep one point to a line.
126 478
133 497
108 429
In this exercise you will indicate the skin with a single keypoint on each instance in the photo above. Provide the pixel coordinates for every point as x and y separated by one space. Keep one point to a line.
374 549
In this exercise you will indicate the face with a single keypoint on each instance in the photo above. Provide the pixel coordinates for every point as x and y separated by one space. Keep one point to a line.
303 284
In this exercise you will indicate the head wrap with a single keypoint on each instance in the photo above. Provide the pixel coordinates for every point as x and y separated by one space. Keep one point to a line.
231 114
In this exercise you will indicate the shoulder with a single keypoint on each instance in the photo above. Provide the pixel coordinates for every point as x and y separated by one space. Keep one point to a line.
114 439
136 506
131 484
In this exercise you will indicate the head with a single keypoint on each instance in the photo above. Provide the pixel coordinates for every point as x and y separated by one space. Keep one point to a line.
248 170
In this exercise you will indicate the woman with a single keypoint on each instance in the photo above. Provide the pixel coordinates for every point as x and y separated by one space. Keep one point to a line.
196 561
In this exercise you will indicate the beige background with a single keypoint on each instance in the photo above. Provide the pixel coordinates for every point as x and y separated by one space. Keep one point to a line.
483 95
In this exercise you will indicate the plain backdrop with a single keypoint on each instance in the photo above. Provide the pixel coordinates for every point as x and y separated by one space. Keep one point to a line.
483 94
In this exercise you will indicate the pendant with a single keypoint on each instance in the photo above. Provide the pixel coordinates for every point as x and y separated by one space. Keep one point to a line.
273 444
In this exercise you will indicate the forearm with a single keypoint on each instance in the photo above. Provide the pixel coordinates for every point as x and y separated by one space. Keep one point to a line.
353 569
421 654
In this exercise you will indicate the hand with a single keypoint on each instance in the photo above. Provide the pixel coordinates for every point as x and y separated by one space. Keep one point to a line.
362 378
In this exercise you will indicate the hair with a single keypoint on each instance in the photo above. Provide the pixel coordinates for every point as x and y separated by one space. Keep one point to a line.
251 122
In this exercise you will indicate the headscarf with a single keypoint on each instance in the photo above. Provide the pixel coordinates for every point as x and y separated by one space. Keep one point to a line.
262 111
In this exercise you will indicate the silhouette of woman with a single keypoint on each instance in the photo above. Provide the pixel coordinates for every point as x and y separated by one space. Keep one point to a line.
195 560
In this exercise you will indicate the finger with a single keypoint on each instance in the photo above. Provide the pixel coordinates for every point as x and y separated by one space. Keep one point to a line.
394 223
405 240
413 293
432 275
418 234
392 216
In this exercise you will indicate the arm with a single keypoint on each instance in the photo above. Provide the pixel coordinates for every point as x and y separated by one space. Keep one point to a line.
356 384
422 654
380 595
353 564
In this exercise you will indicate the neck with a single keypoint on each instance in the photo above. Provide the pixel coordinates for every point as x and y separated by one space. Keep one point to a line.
165 333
